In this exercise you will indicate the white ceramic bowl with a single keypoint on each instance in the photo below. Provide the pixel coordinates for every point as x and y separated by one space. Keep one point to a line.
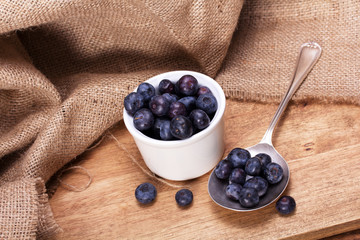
191 157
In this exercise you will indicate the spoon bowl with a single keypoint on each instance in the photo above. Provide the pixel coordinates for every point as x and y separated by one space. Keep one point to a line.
308 56
216 186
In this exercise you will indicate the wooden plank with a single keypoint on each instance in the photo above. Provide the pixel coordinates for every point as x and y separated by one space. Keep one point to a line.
320 142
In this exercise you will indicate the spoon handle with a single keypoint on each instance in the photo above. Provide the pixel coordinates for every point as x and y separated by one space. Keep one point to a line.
308 56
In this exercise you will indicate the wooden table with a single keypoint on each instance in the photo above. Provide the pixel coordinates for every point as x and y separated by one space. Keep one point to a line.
320 142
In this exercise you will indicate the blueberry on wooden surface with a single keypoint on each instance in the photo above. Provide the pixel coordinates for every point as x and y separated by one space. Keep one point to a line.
223 169
184 197
285 205
259 183
143 119
273 173
133 102
249 197
181 127
238 157
232 191
145 193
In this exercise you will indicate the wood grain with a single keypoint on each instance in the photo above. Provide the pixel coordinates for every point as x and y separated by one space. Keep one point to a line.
320 142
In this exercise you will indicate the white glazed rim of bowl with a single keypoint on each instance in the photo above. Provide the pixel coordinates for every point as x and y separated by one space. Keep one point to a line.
219 95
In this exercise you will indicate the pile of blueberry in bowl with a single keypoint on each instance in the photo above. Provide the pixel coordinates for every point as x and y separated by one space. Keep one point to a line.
176 120
175 111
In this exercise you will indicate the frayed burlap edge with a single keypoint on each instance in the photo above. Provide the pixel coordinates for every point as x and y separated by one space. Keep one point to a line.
245 96
25 211
47 227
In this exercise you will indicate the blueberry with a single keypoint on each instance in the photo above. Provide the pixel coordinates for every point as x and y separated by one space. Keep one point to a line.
264 159
285 205
203 90
199 119
181 127
207 102
273 173
187 85
223 169
238 157
161 129
189 102
146 90
184 197
259 183
249 197
156 127
232 191
159 106
145 193
166 86
176 109
170 97
133 102
143 119
238 176
253 166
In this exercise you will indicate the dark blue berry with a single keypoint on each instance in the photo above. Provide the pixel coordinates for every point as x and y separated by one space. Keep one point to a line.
184 197
146 90
259 183
207 102
170 97
187 85
189 102
159 106
145 193
203 90
285 205
238 176
223 169
143 119
232 191
264 159
165 133
176 109
249 197
273 173
133 102
161 129
253 166
166 86
199 119
238 157
181 127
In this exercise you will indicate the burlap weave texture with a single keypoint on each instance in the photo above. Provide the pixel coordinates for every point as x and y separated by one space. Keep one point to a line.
65 67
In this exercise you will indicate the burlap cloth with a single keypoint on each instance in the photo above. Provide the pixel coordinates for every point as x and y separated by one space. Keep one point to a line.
65 67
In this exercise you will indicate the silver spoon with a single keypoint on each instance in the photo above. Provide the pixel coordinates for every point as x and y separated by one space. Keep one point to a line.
308 56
